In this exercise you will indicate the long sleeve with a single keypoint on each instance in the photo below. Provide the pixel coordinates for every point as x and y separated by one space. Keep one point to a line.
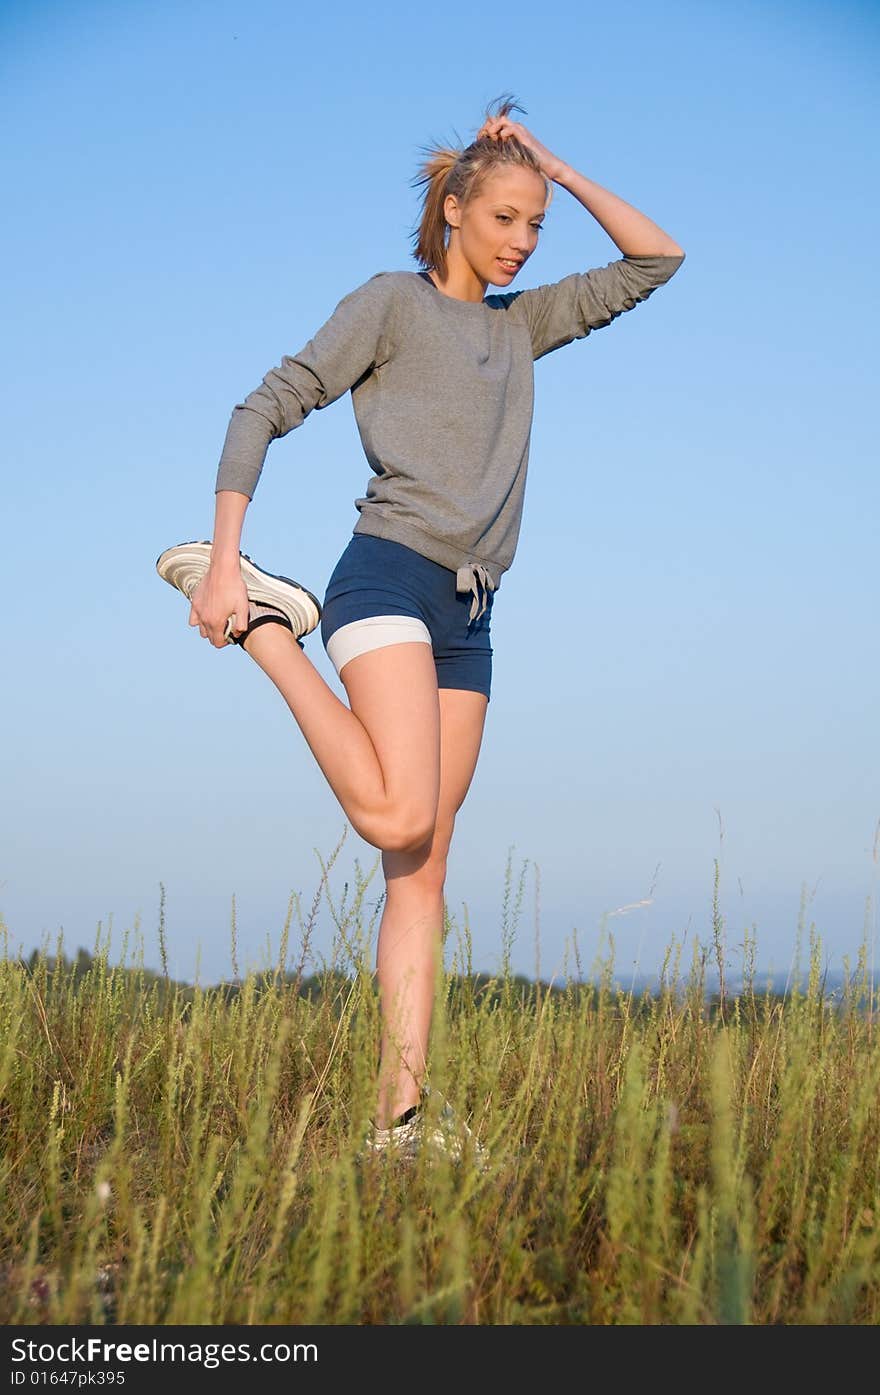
569 309
343 350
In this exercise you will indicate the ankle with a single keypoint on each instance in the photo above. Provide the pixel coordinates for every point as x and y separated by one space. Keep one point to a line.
268 632
390 1113
398 1117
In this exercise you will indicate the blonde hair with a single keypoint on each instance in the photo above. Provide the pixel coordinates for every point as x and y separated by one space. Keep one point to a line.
462 171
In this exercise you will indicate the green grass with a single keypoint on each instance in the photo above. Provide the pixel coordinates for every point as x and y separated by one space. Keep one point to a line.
179 1154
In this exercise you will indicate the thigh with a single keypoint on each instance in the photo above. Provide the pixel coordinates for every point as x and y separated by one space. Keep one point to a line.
422 704
462 722
393 692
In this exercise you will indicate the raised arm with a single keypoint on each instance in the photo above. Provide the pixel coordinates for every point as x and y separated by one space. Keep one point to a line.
635 234
569 309
562 311
590 300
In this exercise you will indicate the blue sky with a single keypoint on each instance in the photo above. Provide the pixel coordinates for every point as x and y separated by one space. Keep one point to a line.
686 665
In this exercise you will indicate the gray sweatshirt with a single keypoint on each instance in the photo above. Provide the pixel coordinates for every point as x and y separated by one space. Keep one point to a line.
443 394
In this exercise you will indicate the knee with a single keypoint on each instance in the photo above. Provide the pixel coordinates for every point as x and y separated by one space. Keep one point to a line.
419 874
420 869
394 830
411 835
399 827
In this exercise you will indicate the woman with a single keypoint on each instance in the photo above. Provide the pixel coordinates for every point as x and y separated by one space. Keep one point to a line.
441 377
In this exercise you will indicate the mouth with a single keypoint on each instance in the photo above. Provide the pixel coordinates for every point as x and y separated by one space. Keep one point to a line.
509 265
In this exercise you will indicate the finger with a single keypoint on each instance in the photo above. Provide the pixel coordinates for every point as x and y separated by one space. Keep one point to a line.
193 618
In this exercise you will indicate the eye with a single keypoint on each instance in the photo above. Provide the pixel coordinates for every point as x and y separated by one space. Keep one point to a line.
505 218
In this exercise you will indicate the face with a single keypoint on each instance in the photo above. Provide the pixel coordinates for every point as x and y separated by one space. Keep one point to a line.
498 230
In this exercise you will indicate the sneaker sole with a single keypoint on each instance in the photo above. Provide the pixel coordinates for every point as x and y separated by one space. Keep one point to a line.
302 608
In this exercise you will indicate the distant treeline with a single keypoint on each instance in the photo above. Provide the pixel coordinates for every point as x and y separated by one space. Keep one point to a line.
333 984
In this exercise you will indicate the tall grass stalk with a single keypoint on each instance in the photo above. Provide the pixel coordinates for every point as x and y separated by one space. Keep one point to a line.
174 1153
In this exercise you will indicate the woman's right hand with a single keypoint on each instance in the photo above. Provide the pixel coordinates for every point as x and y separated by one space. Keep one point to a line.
219 595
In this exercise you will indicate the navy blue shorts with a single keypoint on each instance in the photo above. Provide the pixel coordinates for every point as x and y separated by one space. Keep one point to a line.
382 593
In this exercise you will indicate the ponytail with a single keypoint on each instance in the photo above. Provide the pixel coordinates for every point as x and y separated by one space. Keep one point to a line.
462 172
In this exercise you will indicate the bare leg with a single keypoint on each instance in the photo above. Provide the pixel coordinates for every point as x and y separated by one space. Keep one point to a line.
381 756
410 936
400 761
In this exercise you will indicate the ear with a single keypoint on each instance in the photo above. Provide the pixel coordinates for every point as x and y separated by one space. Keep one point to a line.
451 211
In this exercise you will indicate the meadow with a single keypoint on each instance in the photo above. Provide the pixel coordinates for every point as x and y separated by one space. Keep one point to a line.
188 1155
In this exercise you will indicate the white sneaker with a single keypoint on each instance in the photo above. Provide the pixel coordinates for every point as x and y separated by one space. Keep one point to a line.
185 565
445 1134
401 1139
